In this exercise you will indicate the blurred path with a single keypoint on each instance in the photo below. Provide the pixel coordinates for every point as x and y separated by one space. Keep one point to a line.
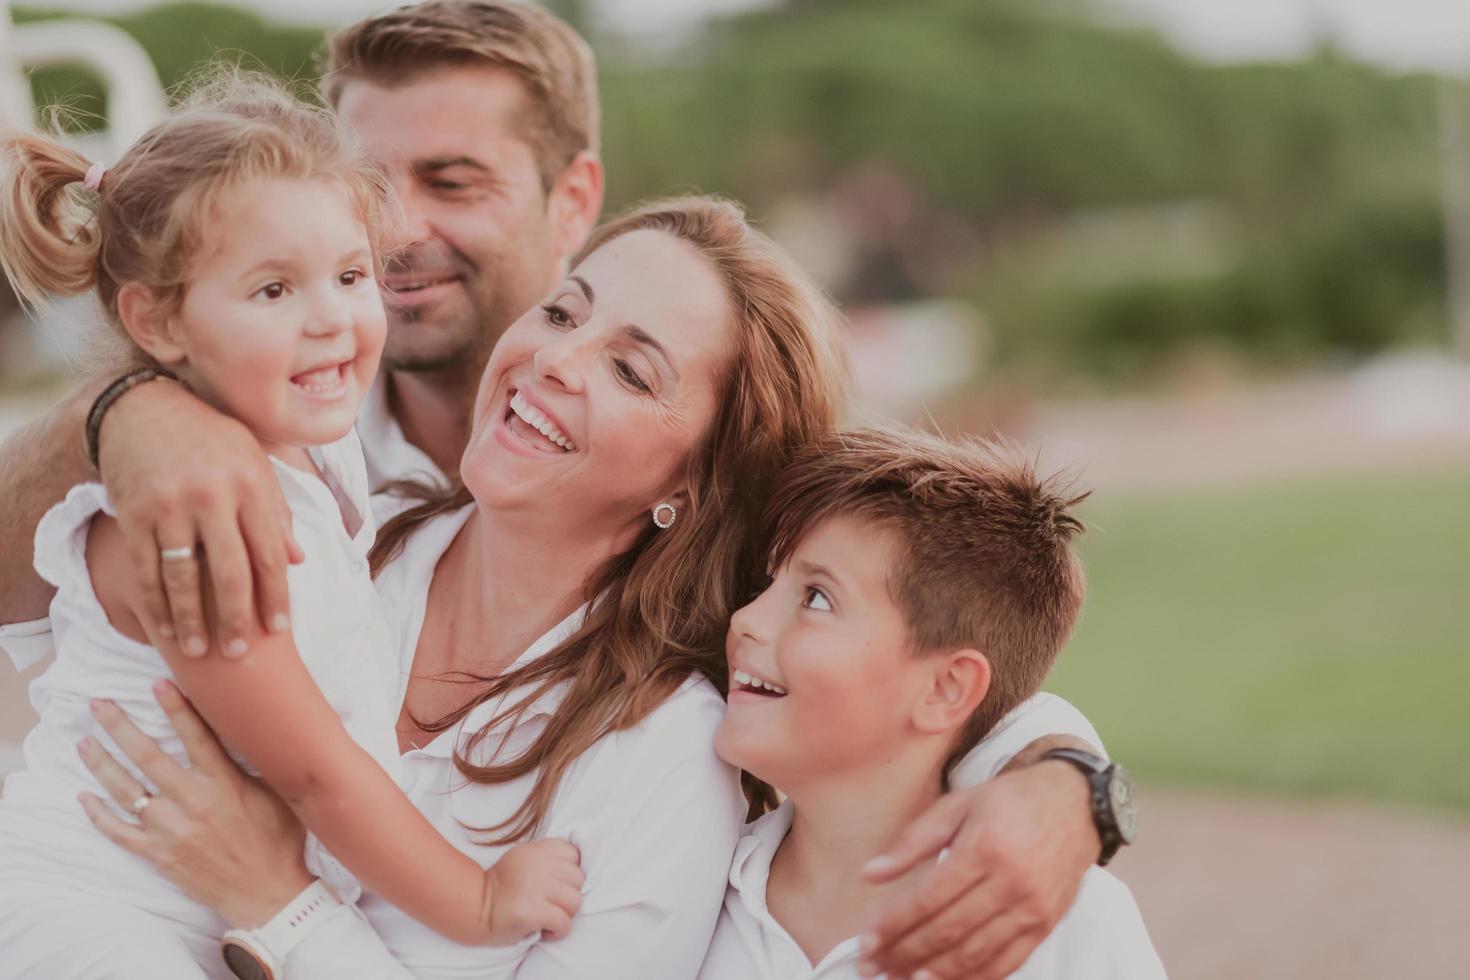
1407 411
1235 888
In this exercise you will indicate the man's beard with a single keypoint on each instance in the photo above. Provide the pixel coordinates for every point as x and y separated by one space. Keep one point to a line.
458 342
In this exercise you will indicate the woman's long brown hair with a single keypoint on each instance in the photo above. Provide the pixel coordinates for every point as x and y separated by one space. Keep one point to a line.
666 602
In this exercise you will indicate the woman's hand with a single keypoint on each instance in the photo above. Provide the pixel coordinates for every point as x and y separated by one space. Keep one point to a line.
181 475
1018 844
227 840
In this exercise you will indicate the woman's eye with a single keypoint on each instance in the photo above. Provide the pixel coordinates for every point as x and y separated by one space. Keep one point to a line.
817 599
557 316
272 290
631 377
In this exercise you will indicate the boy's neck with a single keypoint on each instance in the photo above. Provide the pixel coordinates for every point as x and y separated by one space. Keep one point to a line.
433 409
816 888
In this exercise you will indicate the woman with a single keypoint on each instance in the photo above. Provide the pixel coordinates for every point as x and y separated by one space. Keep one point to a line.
664 383
561 617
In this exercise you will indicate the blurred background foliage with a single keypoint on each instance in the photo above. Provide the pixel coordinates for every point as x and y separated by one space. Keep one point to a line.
1113 207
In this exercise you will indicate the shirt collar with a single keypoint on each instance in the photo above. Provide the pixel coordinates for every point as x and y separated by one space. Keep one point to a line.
543 706
390 456
751 865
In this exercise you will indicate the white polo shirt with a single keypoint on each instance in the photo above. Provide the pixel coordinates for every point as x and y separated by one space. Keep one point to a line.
1102 937
390 456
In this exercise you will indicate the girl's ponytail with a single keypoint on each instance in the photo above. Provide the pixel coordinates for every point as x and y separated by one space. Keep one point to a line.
48 235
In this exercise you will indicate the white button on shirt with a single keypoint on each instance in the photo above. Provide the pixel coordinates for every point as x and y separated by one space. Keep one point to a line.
1102 937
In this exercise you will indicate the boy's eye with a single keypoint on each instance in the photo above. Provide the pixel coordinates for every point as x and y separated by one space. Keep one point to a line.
272 290
817 599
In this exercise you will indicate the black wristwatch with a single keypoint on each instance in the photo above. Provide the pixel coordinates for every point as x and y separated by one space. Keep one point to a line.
1113 810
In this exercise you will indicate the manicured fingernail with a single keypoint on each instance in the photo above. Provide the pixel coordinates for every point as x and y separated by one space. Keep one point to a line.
196 646
161 686
280 623
84 746
95 704
879 865
236 648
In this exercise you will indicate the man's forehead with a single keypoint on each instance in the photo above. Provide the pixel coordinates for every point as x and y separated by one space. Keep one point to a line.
448 113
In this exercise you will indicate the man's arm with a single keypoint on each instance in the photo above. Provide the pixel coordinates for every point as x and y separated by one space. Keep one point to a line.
38 464
1019 835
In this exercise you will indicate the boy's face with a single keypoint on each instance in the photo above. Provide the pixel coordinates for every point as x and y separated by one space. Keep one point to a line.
828 637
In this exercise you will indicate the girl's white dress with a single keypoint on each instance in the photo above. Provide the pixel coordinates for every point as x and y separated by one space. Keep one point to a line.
58 875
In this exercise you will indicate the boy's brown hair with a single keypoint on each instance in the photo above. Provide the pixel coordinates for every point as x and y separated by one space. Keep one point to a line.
551 60
985 555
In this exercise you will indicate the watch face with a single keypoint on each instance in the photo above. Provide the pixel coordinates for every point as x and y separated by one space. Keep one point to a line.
243 964
1120 795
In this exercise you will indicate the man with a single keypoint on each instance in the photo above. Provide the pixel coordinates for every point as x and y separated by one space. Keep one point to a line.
483 114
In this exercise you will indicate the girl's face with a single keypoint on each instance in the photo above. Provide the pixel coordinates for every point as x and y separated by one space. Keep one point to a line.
281 324
592 403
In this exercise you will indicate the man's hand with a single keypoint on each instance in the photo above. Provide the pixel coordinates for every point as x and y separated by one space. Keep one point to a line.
181 475
1018 844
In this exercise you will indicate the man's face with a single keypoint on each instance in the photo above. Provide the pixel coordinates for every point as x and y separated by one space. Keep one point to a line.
453 143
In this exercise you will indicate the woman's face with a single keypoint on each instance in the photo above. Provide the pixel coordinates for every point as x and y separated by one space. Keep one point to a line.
592 402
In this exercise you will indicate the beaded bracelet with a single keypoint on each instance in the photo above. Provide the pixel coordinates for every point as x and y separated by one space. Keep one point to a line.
110 395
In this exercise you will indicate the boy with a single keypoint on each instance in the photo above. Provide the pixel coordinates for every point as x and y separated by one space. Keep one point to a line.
921 590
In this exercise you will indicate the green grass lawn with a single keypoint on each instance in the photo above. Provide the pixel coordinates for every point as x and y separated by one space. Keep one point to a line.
1309 639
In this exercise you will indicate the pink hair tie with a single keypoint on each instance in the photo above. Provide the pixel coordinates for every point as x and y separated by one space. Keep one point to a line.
93 180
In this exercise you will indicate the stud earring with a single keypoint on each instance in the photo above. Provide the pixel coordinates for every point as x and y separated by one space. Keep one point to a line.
664 522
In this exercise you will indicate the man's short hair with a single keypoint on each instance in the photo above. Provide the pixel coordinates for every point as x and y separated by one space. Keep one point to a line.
552 61
984 548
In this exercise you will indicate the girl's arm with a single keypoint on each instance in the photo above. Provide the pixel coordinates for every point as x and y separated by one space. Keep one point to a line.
228 841
266 706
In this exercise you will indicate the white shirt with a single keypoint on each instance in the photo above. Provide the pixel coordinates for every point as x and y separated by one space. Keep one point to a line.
653 810
339 633
1102 937
390 456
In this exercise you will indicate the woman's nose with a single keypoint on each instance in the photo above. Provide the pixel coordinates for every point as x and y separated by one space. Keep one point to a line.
563 362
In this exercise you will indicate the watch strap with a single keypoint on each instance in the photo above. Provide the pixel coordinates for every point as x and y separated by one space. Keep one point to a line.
291 924
1099 773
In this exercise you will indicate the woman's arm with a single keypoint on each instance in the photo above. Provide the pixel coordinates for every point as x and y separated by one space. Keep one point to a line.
227 840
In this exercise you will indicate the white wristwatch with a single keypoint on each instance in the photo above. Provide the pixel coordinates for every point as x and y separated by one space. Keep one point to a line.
260 954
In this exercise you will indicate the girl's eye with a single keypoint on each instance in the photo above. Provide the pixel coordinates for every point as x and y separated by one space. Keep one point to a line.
557 316
630 377
272 290
817 599
352 277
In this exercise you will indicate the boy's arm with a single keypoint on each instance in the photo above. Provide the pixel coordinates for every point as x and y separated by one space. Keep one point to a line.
38 464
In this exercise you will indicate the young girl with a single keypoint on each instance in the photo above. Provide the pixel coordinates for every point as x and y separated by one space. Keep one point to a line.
236 245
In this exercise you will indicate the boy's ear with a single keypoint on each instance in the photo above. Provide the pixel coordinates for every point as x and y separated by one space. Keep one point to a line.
960 681
149 320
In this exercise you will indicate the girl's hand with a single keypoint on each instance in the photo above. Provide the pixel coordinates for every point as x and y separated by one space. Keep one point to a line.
534 886
227 840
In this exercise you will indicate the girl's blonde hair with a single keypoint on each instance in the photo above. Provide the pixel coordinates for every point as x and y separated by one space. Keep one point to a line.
666 602
149 215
